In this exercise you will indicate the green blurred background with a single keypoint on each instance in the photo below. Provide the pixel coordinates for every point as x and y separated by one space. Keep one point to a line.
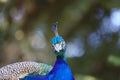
91 29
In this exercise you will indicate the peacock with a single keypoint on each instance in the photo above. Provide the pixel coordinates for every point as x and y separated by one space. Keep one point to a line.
40 71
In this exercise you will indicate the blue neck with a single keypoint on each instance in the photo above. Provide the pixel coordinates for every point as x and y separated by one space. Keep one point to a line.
61 70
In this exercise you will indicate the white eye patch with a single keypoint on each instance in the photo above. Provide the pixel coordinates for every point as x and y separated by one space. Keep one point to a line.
59 46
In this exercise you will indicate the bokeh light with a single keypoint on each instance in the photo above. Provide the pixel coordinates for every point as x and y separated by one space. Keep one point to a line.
94 40
19 35
115 17
3 1
37 39
75 48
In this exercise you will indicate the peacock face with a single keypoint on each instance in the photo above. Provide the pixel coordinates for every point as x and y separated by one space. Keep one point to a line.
58 44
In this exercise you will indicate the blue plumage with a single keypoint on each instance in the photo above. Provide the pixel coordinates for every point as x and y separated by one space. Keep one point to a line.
61 70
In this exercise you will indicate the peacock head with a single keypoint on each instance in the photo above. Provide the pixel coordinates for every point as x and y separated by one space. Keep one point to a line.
58 42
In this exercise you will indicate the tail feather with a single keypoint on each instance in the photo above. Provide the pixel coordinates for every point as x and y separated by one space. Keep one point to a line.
21 69
33 77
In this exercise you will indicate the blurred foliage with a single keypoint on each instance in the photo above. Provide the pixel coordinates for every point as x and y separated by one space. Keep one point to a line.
115 60
84 77
90 27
